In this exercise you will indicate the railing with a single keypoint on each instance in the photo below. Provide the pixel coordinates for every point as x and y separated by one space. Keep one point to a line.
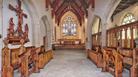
123 36
96 39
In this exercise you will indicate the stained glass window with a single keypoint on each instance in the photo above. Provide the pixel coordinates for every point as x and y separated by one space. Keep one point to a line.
128 19
69 27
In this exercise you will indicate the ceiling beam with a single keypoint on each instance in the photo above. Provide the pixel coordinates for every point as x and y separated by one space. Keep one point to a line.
78 7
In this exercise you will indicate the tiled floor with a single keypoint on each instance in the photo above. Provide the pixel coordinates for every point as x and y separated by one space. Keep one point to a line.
70 63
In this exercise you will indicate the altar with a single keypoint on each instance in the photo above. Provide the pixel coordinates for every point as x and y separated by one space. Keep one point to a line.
69 44
69 41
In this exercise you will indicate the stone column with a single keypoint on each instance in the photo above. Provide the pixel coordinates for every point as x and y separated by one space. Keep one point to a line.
50 28
1 42
103 35
88 29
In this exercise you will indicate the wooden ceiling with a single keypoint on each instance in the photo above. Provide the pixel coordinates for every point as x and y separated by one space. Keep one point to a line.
78 7
123 5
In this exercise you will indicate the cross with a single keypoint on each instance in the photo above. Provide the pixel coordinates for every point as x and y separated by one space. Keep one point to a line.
19 13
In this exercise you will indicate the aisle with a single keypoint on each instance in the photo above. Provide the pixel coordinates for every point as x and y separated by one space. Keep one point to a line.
71 63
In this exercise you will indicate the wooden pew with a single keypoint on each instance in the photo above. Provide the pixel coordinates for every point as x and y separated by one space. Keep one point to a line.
22 57
130 60
24 64
30 60
7 69
41 58
112 62
96 56
26 59
11 59
100 58
124 37
96 40
134 68
37 58
44 57
17 58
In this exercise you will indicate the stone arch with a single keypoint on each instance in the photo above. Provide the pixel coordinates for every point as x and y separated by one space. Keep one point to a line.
124 15
112 9
40 19
43 31
105 18
47 34
30 7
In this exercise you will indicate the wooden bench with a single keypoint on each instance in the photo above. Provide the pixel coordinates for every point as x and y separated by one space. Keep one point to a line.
26 59
134 68
112 62
96 56
130 60
7 69
44 57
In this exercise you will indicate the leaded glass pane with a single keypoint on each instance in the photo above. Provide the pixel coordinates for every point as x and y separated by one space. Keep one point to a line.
69 27
128 19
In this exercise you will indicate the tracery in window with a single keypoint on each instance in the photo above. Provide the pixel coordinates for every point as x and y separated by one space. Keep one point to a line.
69 27
129 18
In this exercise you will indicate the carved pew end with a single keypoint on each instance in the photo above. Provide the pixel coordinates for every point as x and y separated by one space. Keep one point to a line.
7 71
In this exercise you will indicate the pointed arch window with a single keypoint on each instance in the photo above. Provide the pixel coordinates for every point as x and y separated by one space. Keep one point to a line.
69 27
128 18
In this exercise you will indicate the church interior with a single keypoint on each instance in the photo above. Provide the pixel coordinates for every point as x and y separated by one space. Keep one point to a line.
68 38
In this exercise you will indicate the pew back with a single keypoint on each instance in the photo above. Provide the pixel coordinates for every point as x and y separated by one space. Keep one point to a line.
122 36
15 57
112 61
